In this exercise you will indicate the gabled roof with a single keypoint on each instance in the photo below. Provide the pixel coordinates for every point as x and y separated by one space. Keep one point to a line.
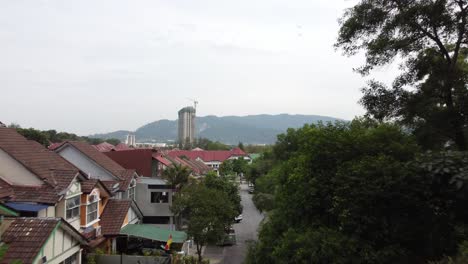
127 177
104 146
122 146
208 155
25 237
161 159
123 176
56 173
113 216
98 157
87 186
137 159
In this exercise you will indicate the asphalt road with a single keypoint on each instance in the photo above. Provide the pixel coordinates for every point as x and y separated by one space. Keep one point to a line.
246 231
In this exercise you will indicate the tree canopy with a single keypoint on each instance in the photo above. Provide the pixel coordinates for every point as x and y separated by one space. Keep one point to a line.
209 207
47 137
177 175
430 40
362 192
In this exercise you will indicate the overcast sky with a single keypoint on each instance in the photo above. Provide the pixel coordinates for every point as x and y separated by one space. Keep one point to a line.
88 66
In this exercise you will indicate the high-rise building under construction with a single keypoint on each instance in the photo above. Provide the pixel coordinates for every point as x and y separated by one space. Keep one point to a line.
186 125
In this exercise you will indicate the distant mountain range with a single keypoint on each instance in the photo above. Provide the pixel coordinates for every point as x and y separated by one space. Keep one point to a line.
252 129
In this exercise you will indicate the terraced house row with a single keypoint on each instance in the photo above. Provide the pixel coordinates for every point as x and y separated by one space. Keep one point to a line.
57 204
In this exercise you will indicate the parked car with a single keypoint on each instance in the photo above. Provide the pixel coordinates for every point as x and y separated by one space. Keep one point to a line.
238 218
251 190
229 238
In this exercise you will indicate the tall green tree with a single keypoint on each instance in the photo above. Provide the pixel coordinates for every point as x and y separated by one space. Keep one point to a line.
225 185
430 38
208 212
362 192
177 175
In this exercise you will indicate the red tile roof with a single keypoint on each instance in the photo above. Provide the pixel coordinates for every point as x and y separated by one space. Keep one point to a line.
208 155
161 159
113 216
26 236
104 146
123 175
98 157
137 159
87 186
122 146
52 169
126 177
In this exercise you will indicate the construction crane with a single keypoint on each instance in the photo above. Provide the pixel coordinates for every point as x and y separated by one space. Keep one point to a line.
195 103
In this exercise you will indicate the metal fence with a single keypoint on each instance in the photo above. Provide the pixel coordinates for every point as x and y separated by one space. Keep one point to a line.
128 259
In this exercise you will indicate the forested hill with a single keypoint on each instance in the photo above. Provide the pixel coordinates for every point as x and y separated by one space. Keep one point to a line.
252 129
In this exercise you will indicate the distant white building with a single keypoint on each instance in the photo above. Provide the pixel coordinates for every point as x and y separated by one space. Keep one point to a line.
186 124
131 140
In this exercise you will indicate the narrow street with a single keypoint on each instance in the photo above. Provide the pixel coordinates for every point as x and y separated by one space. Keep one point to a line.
246 230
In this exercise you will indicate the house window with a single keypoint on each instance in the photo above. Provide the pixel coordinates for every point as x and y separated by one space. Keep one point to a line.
92 208
73 207
71 260
159 197
131 193
131 190
162 220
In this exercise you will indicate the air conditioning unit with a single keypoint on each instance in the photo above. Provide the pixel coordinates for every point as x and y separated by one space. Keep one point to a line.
98 231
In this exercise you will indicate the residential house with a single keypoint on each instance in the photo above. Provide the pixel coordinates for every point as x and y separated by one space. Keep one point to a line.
94 198
211 158
40 240
154 198
120 181
153 194
116 215
36 183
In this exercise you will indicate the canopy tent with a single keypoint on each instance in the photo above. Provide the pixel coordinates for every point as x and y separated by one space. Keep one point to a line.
153 233
26 207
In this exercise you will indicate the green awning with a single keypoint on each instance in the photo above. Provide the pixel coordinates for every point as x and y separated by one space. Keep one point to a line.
6 211
153 233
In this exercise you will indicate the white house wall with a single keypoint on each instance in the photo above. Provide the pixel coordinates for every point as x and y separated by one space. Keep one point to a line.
47 212
85 164
59 246
15 173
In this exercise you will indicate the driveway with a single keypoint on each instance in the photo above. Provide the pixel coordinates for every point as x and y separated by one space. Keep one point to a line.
246 230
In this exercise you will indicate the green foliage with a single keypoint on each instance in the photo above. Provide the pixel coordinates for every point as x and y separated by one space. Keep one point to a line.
257 148
47 137
3 250
225 185
177 175
241 146
360 192
33 134
430 37
208 211
260 167
207 144
226 168
189 260
233 166
263 201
